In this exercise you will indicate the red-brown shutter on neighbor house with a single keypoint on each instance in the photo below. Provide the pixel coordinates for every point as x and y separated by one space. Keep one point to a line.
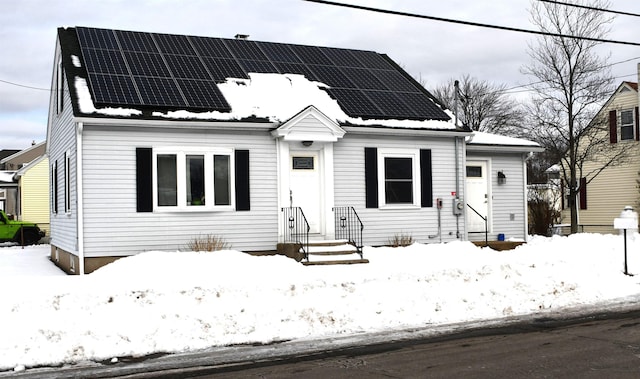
583 193
637 126
613 127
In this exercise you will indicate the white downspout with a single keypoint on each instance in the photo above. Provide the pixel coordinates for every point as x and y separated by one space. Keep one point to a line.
526 157
79 204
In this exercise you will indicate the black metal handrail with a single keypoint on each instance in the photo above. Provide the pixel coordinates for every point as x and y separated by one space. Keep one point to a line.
486 226
348 226
296 228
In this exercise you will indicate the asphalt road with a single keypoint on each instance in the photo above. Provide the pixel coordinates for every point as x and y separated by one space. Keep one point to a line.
568 344
589 349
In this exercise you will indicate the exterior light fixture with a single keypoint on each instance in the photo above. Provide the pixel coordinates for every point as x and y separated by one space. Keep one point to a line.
307 143
502 179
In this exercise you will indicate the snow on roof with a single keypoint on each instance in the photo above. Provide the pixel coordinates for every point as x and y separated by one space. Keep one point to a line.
483 138
276 97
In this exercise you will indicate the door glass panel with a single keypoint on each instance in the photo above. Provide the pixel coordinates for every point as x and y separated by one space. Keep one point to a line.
474 172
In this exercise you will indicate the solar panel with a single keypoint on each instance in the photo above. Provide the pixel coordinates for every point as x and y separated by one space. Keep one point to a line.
186 66
332 76
390 105
203 94
372 60
136 41
363 78
422 106
97 38
180 72
279 53
295 68
104 61
221 69
354 103
311 55
159 92
257 66
174 44
210 47
243 49
113 89
395 81
341 57
146 64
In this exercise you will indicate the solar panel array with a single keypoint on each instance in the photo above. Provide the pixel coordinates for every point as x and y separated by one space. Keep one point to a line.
181 72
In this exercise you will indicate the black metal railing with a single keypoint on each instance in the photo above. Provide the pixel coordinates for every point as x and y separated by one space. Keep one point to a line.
348 226
486 226
296 228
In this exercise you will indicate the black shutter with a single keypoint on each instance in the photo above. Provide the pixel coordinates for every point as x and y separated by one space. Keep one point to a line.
583 193
243 200
144 190
613 127
371 176
426 182
637 125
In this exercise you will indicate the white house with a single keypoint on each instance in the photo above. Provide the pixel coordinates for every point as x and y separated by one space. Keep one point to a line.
156 139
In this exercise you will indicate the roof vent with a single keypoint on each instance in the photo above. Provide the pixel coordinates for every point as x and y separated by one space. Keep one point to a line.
242 36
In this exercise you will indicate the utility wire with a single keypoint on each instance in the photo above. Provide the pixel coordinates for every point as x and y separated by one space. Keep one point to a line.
590 8
25 86
508 28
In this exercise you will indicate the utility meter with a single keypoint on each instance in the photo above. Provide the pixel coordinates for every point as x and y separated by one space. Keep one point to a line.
458 206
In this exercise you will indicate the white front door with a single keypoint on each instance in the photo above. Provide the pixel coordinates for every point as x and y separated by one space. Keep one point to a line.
304 186
477 195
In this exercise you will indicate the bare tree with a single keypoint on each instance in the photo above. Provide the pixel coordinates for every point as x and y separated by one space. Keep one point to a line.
572 83
482 106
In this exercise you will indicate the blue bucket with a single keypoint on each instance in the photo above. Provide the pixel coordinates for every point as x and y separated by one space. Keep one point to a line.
501 237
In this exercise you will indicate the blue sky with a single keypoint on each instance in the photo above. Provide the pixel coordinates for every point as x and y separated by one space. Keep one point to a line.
433 51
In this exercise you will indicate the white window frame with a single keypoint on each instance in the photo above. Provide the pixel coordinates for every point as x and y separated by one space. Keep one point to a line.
414 154
181 155
630 125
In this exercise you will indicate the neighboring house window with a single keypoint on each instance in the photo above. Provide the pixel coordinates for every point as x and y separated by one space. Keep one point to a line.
398 178
67 184
54 187
626 124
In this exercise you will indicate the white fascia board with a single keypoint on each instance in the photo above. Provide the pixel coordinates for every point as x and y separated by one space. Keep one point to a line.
182 124
404 131
505 148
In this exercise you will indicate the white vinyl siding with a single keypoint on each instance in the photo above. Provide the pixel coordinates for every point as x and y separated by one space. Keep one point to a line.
61 138
507 212
380 225
112 225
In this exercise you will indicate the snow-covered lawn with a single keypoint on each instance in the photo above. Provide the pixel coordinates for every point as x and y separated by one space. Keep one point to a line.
179 301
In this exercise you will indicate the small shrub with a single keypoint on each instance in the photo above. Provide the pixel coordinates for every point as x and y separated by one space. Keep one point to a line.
401 239
208 242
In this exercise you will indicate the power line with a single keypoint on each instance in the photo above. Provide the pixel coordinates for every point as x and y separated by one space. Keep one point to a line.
591 8
25 86
469 23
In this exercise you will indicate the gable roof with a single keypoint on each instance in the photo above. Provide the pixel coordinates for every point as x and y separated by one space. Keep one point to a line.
119 73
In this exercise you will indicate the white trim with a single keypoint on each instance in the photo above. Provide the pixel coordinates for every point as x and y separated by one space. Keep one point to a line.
414 155
79 199
181 154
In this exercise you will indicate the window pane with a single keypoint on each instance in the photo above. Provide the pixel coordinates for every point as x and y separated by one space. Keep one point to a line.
474 171
398 168
397 192
221 184
626 117
398 174
195 179
167 180
626 132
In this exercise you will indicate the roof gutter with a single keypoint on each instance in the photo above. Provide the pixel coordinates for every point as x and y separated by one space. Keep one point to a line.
179 124
386 131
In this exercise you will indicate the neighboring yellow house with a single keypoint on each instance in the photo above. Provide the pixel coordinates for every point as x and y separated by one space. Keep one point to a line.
33 193
603 198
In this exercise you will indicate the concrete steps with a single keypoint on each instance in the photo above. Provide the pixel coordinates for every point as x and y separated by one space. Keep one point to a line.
333 252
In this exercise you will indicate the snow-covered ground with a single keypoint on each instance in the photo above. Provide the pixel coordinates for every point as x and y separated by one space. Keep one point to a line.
180 301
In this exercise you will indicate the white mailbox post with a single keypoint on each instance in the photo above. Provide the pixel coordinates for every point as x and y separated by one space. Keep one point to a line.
628 220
